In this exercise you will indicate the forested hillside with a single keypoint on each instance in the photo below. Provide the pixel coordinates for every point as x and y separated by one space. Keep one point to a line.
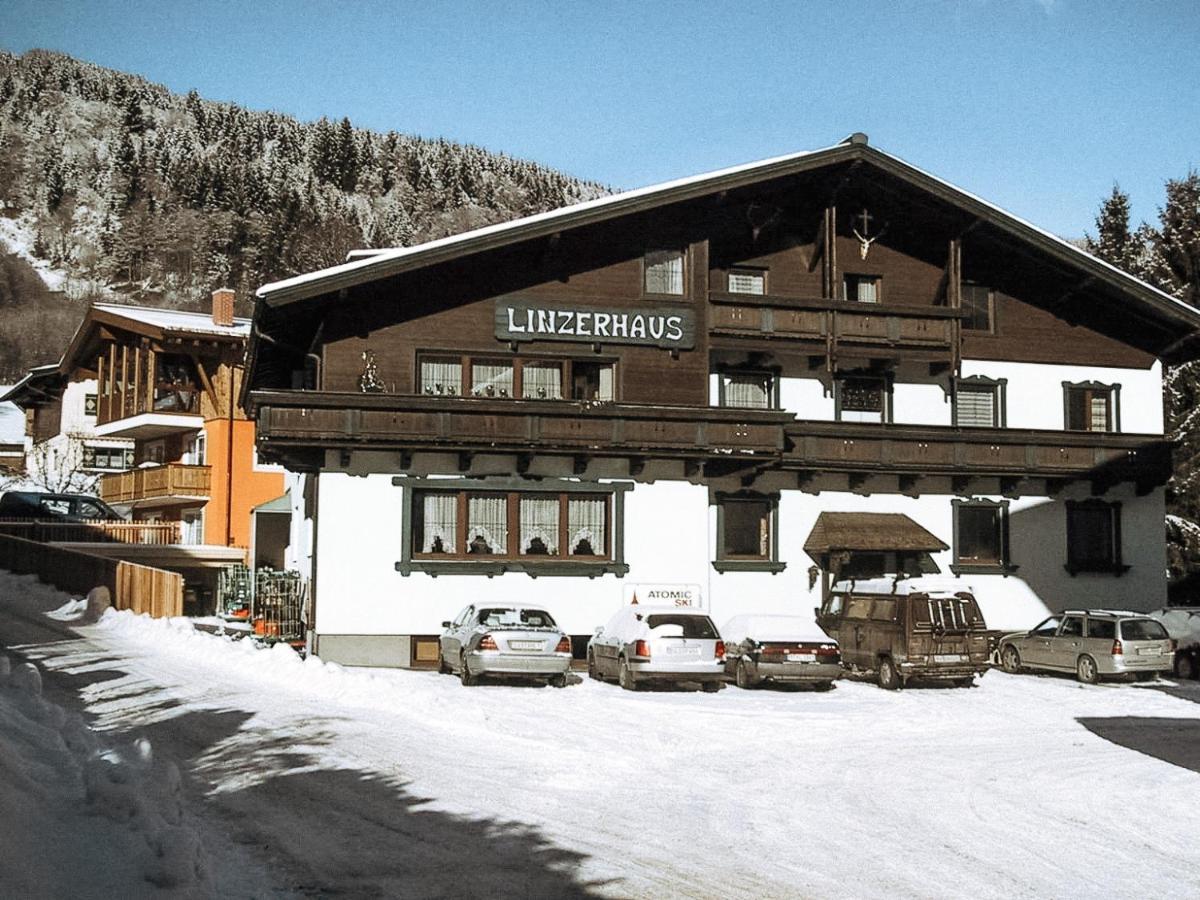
126 187
1167 255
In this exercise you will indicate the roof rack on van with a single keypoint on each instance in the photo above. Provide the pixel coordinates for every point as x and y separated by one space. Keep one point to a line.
1100 612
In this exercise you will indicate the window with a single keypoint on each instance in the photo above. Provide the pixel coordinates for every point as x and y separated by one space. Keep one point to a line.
664 272
504 379
441 376
862 398
747 533
863 288
1142 630
1072 626
1048 628
749 390
154 452
492 531
979 402
1090 406
1094 537
192 526
108 458
980 537
748 281
1104 629
977 304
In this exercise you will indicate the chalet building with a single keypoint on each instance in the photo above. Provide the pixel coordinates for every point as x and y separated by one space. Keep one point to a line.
63 451
726 390
166 384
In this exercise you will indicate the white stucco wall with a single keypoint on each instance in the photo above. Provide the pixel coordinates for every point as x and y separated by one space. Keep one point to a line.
670 537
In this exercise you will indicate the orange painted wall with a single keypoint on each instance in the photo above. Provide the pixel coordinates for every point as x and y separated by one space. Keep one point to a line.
250 488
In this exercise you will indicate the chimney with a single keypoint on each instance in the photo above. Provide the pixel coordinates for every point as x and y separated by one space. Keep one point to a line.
222 307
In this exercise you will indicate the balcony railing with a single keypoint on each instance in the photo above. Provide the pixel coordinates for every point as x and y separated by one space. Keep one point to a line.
93 532
1000 452
409 422
171 480
839 325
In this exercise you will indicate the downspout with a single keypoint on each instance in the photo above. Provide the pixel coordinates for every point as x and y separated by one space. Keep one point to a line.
229 469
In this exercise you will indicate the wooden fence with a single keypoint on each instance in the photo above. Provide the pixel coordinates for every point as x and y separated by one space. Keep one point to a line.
142 589
96 531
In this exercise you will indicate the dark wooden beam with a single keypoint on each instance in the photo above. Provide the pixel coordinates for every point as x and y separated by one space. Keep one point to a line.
523 461
959 484
637 465
691 468
1010 487
908 485
579 463
804 480
464 460
406 459
1055 486
855 482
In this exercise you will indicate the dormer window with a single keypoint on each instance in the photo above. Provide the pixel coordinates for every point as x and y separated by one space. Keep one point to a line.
664 272
862 288
748 281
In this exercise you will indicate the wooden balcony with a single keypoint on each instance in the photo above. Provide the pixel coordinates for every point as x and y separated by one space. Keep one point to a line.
1009 454
171 481
840 327
295 422
93 532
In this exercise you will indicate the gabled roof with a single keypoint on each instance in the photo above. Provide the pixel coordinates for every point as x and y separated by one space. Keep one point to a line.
374 265
40 383
869 532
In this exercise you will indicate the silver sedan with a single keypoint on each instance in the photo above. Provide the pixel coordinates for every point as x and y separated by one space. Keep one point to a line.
504 642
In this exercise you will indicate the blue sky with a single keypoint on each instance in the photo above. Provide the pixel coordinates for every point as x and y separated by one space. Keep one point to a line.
1037 106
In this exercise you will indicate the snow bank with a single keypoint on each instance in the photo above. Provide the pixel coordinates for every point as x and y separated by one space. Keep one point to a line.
1182 623
92 821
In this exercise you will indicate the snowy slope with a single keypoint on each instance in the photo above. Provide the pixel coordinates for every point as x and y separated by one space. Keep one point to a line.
17 237
408 784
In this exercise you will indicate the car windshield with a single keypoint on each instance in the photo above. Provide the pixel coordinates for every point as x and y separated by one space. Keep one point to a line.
1142 630
512 617
693 626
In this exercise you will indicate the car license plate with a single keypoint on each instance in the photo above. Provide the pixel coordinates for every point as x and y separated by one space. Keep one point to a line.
1150 651
683 651
948 657
525 645
801 657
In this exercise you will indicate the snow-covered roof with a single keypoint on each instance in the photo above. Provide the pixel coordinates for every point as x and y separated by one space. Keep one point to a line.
176 320
363 267
767 628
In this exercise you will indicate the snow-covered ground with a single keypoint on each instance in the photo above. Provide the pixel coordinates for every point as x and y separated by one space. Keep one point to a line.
17 237
303 778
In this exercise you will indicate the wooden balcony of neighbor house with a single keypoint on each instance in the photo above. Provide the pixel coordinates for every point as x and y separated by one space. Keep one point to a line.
290 421
170 481
1012 455
833 327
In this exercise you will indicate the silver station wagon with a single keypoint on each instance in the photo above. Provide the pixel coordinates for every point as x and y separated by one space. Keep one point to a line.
665 644
504 641
1093 644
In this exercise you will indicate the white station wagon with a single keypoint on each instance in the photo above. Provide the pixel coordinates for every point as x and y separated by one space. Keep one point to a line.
658 644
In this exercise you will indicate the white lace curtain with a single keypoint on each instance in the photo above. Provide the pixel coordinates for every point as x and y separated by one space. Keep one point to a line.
441 377
748 391
440 521
491 380
1099 413
664 272
487 525
585 526
541 381
539 525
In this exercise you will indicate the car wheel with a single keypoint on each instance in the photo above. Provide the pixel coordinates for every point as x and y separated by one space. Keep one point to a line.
465 676
742 676
443 666
889 678
823 686
593 671
967 682
624 676
1185 666
710 687
1010 659
1086 671
558 681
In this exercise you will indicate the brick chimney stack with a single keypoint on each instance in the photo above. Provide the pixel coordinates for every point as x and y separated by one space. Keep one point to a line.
222 307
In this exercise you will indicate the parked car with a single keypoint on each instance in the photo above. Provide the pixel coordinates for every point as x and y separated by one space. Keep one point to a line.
780 650
1092 643
899 629
663 644
58 507
1183 625
495 641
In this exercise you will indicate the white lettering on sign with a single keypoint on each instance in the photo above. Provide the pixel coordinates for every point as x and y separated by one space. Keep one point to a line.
661 327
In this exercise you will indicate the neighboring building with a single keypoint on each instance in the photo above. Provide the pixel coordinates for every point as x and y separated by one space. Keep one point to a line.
708 391
12 438
63 452
166 383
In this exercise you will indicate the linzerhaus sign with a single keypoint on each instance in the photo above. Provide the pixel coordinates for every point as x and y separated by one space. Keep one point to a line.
670 327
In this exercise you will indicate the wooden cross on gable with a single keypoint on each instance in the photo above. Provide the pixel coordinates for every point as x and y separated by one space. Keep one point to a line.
865 239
